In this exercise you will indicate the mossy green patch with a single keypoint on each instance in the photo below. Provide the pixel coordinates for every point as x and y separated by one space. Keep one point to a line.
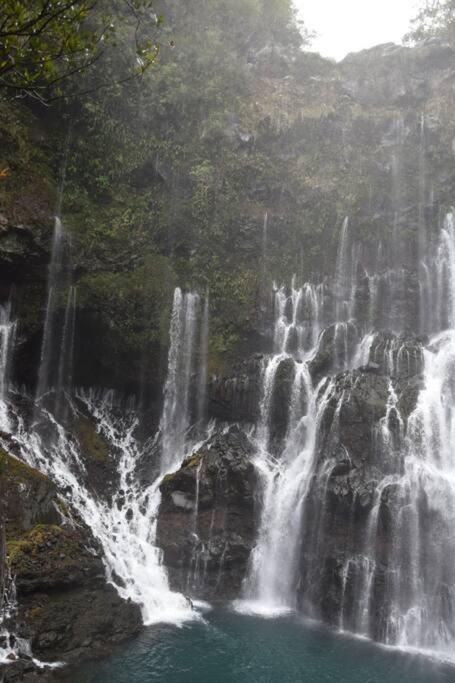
12 467
92 443
193 460
44 547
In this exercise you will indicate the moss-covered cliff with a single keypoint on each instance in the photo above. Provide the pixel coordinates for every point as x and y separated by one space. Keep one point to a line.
168 182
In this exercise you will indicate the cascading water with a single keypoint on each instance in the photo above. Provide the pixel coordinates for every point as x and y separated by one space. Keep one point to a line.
54 372
271 582
202 373
398 585
125 522
420 558
177 418
124 526
342 283
290 399
9 644
58 331
7 336
12 647
397 581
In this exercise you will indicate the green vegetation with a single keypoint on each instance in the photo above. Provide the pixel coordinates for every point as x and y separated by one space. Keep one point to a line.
47 45
436 18
12 468
168 177
193 461
92 443
45 546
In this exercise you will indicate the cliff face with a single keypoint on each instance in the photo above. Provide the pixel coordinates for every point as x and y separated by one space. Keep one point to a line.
359 453
371 138
262 193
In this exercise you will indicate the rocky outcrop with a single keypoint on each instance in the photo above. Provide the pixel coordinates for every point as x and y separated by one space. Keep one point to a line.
335 351
207 519
65 609
20 245
236 398
360 448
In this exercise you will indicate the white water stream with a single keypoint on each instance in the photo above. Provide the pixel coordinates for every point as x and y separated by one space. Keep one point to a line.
419 593
126 525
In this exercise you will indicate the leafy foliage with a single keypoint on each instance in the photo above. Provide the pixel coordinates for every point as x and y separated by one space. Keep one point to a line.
436 18
45 44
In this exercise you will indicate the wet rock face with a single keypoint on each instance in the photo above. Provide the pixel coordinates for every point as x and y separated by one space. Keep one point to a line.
207 520
396 303
29 497
65 608
399 356
236 398
279 409
360 444
371 75
336 348
22 255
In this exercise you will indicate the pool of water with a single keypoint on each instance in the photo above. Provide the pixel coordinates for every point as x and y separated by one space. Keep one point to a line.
230 647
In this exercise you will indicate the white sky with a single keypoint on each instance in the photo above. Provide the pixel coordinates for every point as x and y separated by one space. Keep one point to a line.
350 25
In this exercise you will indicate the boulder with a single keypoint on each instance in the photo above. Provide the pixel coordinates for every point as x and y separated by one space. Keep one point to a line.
64 606
207 519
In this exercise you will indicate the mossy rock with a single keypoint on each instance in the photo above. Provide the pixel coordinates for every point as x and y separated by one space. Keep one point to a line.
49 555
190 462
93 445
168 479
30 543
12 468
193 460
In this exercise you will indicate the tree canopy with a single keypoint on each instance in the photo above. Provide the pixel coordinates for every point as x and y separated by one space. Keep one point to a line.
47 44
436 18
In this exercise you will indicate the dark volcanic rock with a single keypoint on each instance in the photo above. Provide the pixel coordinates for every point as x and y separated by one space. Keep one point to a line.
65 607
21 254
281 399
348 466
236 398
207 519
29 497
359 454
336 348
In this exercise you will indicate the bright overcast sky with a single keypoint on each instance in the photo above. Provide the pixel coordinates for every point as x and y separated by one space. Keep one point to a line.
350 25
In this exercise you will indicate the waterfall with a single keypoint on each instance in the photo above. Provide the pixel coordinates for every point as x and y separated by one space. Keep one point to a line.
125 526
342 275
404 575
202 374
58 334
298 318
298 449
437 282
11 646
421 598
7 337
422 198
177 411
125 521
271 582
